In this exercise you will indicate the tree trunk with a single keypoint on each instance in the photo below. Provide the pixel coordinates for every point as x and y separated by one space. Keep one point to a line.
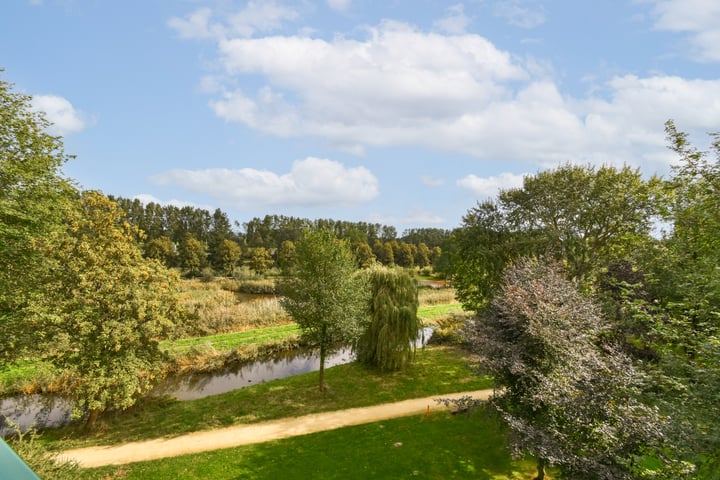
323 353
540 469
92 419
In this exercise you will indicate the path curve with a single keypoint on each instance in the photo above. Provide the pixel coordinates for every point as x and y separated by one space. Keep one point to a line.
254 433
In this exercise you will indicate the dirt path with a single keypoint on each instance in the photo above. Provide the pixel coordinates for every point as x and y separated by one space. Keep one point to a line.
254 433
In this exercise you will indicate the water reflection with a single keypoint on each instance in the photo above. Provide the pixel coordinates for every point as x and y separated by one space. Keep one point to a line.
41 411
199 385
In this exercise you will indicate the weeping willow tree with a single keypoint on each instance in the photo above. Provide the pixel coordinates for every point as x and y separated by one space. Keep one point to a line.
389 340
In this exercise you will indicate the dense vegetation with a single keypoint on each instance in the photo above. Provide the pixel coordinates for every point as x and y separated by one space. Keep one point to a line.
647 315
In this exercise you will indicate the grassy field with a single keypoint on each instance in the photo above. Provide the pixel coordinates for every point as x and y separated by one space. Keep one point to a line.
436 371
228 341
432 312
440 447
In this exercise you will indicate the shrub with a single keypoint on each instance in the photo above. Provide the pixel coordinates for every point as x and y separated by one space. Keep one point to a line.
44 463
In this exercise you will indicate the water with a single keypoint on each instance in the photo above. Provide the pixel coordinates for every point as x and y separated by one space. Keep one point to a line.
199 385
47 411
42 411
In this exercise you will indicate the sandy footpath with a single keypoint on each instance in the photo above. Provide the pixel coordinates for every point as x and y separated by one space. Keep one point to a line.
254 433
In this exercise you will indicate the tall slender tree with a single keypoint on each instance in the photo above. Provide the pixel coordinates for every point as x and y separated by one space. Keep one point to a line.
324 294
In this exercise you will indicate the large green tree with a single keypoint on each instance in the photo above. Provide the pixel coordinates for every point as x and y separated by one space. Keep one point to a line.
227 256
682 304
102 307
388 341
324 294
581 215
33 193
192 255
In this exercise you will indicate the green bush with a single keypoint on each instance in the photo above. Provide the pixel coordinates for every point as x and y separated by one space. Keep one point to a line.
257 287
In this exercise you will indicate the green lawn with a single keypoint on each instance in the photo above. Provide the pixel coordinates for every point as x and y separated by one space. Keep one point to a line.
440 446
431 312
229 341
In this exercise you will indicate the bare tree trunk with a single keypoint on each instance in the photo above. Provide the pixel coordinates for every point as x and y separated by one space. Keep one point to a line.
323 353
540 469
92 419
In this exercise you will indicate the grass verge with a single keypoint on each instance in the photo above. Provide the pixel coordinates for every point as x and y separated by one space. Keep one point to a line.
436 371
228 341
440 446
429 313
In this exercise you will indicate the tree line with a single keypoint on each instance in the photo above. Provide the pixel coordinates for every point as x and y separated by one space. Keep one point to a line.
193 239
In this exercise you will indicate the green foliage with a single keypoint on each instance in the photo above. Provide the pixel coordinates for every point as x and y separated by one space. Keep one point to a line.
568 399
363 254
43 462
33 196
582 216
286 256
681 305
161 249
323 293
227 256
103 307
191 255
260 260
388 341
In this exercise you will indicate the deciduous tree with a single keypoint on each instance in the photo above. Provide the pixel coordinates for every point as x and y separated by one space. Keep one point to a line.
569 400
33 195
103 307
228 255
388 340
192 256
324 294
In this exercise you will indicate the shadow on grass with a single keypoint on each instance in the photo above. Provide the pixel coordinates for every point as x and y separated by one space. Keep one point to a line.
440 446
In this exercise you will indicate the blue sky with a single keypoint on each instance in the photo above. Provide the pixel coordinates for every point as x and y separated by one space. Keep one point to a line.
398 112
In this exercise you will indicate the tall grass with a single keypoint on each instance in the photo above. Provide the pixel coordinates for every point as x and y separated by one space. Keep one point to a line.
436 296
215 309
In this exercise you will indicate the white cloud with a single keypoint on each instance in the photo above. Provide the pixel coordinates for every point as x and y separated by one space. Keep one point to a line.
398 86
60 112
312 181
699 18
195 25
339 5
257 16
521 13
455 22
146 198
489 187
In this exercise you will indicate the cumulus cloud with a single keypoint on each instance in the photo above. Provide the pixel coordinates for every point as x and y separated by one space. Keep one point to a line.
60 112
396 85
257 16
489 187
521 13
455 21
312 181
698 18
